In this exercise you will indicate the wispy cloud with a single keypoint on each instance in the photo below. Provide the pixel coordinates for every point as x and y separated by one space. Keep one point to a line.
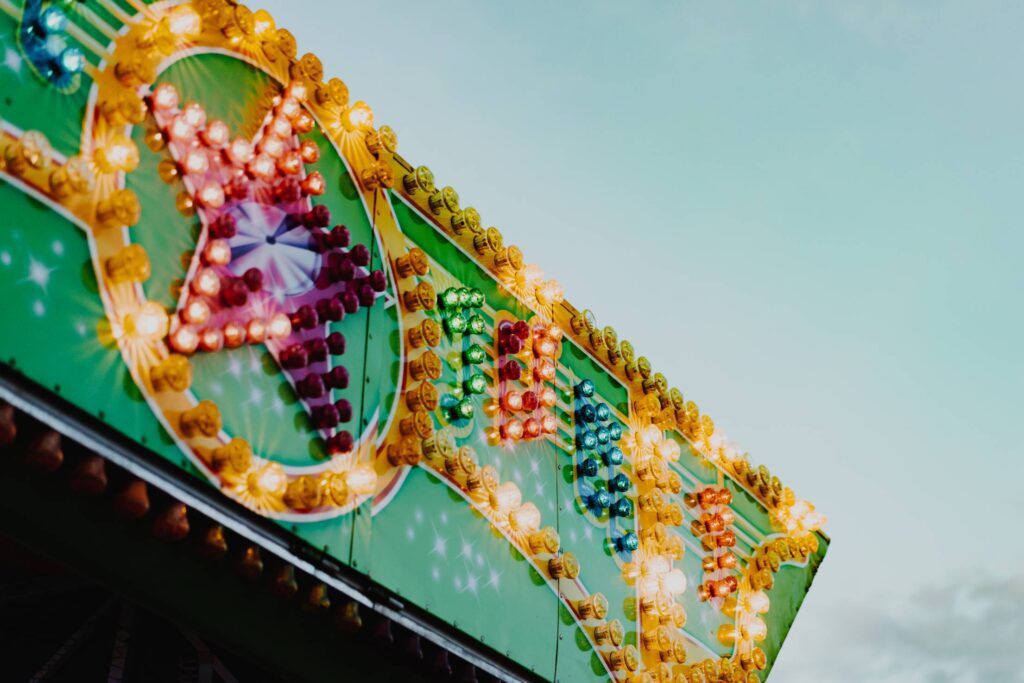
966 631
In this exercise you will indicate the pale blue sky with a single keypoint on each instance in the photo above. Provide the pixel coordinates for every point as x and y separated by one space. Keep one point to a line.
810 212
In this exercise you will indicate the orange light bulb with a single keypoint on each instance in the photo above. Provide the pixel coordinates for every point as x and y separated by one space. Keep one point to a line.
211 195
280 326
240 152
290 163
272 145
547 397
211 339
180 129
262 167
185 339
196 312
512 401
281 127
309 151
194 114
206 282
256 331
297 91
196 162
303 122
313 184
545 371
544 347
217 252
234 335
290 107
216 134
513 429
165 97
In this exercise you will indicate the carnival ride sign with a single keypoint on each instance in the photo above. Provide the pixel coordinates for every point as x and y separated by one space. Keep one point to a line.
216 251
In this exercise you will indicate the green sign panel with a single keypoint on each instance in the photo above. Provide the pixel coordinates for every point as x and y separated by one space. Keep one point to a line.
211 247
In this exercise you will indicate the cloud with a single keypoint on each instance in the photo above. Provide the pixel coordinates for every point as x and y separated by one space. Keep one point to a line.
969 630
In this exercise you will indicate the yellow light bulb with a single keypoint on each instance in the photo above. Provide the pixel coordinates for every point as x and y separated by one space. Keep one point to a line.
506 497
528 277
358 117
647 586
668 449
120 154
184 21
656 566
800 509
148 322
674 582
727 634
756 602
262 22
362 479
526 518
754 628
647 437
272 478
550 292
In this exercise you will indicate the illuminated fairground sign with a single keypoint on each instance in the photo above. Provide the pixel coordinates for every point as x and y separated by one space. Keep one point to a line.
211 247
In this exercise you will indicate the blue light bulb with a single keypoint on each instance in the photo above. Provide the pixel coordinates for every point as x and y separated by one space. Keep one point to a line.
613 456
615 431
603 437
628 542
621 508
587 441
586 413
603 412
71 61
601 499
585 388
588 468
53 19
619 483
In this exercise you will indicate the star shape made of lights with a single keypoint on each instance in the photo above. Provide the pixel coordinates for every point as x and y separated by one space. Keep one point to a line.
268 268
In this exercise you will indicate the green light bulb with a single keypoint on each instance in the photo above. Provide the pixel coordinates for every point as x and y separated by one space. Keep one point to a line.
477 324
463 409
475 354
456 323
477 384
450 298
